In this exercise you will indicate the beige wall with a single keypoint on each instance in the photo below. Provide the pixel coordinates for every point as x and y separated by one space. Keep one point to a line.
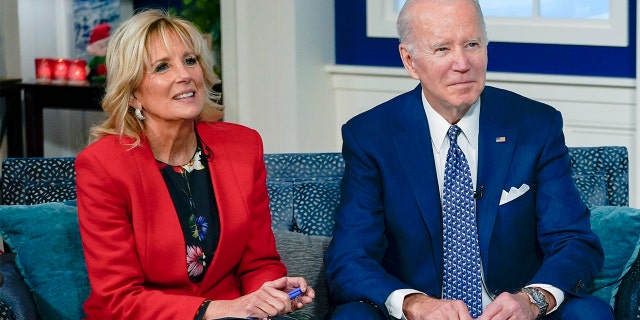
9 40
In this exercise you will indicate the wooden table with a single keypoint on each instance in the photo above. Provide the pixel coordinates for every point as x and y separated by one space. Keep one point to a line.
24 114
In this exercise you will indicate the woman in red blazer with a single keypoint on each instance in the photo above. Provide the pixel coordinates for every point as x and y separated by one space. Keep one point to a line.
173 207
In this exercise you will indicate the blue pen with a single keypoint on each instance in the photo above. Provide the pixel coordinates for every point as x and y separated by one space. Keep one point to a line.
292 295
295 293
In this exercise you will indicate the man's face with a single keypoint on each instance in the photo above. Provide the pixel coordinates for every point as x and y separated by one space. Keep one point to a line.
449 55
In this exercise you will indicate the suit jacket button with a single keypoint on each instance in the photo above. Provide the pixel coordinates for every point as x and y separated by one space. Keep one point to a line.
578 287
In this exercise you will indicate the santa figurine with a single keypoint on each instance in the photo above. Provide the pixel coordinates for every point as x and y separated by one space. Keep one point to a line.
98 49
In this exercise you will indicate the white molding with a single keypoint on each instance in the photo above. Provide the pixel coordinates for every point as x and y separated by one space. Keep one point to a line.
381 18
228 29
491 76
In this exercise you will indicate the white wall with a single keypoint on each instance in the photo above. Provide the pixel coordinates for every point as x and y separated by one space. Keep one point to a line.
274 53
9 40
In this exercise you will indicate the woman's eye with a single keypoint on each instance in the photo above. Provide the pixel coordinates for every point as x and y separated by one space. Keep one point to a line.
161 67
191 61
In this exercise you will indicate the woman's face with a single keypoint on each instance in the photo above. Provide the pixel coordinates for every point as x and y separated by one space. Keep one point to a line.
172 89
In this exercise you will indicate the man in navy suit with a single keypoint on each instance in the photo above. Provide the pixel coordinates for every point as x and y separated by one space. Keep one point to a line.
538 253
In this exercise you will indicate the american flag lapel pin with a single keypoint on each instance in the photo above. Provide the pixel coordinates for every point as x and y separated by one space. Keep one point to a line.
501 139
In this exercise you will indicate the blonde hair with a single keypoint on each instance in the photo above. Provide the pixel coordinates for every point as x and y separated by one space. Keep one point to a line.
127 60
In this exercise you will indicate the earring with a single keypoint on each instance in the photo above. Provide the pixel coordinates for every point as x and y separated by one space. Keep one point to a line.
139 115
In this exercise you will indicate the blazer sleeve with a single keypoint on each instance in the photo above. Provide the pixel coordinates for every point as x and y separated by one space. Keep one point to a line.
115 273
260 262
354 258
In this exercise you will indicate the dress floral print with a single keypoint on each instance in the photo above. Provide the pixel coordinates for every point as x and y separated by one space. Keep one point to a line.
192 194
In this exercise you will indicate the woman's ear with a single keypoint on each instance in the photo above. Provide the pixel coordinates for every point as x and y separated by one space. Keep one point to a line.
133 102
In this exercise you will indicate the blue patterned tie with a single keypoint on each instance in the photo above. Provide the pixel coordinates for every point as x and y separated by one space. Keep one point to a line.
462 279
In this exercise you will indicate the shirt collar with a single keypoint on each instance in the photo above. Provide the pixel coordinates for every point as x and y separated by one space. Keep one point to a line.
438 126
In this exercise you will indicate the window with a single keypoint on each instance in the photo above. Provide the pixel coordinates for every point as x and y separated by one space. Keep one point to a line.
576 22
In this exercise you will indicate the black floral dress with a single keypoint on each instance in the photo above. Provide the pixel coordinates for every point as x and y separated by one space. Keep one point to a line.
192 194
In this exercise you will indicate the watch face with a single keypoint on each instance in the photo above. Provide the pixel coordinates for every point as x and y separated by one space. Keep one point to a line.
539 299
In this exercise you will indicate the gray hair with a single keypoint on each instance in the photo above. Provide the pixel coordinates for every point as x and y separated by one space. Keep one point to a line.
405 27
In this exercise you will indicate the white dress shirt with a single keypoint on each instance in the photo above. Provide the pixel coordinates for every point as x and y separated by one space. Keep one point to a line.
468 142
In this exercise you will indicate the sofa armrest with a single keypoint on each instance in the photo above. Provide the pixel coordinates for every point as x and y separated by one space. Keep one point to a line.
628 296
14 291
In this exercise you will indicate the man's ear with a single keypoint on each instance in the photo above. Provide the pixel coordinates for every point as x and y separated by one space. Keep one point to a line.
407 61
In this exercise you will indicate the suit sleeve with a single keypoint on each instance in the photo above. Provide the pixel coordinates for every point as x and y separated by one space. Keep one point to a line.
354 258
572 252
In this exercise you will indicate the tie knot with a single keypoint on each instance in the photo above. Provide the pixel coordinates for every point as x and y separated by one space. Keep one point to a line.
453 133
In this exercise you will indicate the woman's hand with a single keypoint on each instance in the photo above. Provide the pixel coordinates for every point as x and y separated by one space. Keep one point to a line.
269 301
307 295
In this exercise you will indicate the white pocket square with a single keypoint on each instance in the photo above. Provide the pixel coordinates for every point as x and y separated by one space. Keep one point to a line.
513 193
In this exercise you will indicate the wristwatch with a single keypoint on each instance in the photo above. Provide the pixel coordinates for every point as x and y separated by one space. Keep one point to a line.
539 299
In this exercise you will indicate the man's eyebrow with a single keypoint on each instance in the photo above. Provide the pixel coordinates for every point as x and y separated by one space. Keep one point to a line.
438 44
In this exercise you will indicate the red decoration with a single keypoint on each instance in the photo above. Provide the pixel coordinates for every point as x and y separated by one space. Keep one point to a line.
77 72
60 71
43 70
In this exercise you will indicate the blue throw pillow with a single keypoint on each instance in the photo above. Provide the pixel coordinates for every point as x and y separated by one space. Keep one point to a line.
618 229
46 240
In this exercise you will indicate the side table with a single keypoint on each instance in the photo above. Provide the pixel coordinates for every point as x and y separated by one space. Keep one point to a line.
36 97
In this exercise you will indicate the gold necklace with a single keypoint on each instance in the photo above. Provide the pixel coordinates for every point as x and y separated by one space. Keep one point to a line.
189 163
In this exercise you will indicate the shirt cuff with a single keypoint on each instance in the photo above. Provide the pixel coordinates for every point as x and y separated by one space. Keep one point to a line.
555 292
395 300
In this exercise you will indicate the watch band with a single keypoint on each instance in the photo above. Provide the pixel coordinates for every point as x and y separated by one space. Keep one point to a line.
539 299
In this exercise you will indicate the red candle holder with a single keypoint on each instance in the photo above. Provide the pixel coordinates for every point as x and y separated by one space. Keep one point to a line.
60 71
44 70
77 72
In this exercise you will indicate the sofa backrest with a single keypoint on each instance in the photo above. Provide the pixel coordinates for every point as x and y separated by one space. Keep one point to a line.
304 188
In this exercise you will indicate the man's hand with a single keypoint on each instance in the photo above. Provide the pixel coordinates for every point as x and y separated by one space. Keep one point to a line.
418 306
514 306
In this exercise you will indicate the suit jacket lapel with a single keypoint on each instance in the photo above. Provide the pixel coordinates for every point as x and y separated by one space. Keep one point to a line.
413 145
496 145
230 205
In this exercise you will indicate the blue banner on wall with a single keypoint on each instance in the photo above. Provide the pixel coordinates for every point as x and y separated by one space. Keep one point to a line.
353 47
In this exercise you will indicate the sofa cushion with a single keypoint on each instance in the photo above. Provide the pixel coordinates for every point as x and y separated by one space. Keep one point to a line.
14 292
592 188
617 228
46 240
303 255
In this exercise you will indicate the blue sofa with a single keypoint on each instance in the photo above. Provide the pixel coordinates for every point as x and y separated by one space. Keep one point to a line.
44 275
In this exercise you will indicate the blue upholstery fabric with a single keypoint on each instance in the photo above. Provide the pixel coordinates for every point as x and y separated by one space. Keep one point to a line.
618 229
32 181
46 240
304 191
14 292
594 166
6 313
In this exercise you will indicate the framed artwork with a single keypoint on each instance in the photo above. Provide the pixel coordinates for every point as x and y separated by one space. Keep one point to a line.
87 14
